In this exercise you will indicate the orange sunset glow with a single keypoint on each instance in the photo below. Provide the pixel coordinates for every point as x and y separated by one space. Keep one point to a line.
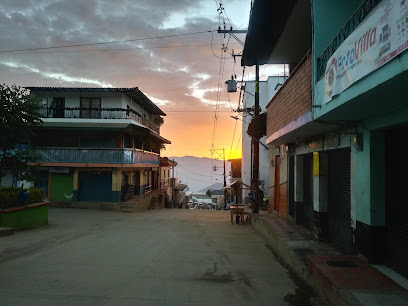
191 134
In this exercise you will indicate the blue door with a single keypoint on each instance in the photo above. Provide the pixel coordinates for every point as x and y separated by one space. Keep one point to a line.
42 182
95 186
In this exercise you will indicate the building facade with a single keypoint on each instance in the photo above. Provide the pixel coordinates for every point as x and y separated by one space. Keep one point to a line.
267 89
97 144
335 127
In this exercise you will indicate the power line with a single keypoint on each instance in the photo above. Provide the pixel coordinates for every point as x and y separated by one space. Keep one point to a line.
192 171
106 42
193 178
197 111
107 50
221 58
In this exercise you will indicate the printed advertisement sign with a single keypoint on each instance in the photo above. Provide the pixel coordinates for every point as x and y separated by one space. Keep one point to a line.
377 40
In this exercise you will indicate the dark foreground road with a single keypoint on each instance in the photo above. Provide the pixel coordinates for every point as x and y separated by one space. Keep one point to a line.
166 257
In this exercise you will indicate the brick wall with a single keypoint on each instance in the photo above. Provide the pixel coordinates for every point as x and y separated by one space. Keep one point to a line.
293 99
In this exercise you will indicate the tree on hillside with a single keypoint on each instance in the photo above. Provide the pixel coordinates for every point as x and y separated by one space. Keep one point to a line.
209 192
19 114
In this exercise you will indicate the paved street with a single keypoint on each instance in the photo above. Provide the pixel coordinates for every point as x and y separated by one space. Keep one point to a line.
166 257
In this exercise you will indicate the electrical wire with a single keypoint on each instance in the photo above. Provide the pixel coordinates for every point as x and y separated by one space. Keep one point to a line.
192 171
107 50
107 42
195 111
221 58
184 175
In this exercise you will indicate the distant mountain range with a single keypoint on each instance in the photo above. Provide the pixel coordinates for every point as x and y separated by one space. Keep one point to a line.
198 173
216 186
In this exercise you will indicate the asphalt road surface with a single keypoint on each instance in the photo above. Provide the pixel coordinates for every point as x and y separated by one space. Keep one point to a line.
164 257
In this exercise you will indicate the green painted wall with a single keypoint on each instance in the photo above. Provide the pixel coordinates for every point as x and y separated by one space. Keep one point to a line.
328 18
25 218
390 119
377 179
368 180
392 76
361 182
61 187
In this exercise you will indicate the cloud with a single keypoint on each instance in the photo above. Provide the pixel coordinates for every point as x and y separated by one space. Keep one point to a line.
178 73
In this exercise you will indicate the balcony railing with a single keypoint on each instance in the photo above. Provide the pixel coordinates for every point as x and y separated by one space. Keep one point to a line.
97 113
362 12
89 156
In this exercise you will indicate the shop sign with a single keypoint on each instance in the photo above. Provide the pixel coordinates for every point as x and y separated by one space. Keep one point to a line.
378 39
315 146
332 141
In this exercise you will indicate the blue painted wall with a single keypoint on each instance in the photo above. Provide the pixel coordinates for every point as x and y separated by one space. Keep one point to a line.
116 196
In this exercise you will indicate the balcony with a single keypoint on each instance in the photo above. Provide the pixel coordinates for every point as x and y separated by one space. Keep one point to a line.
98 113
95 156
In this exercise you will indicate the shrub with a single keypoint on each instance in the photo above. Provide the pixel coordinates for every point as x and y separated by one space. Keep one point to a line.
11 196
36 195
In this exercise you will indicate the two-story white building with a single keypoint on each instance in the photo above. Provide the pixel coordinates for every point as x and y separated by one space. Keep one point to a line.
97 144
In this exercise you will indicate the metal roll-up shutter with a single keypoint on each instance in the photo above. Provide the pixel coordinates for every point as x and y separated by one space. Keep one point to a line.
396 204
308 190
95 186
397 237
339 208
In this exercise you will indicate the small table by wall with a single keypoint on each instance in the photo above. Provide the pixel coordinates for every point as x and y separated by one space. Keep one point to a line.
237 210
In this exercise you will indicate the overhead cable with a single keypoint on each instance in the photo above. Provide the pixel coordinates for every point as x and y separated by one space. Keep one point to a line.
107 42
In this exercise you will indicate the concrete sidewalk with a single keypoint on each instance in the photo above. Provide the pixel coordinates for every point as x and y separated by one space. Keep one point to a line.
340 279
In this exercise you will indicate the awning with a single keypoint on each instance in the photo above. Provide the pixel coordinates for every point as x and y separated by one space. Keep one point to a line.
235 182
166 162
287 27
164 140
180 187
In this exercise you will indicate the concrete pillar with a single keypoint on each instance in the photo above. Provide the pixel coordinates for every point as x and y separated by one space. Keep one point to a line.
116 184
75 185
368 196
298 186
320 199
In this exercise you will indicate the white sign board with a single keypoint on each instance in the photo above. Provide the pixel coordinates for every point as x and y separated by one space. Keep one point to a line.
379 38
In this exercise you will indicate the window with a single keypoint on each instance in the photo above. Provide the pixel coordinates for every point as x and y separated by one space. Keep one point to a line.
127 141
91 108
58 107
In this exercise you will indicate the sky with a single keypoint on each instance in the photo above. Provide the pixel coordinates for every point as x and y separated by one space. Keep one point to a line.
183 74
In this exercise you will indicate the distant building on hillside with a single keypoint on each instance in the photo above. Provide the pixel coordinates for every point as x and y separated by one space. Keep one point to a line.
217 197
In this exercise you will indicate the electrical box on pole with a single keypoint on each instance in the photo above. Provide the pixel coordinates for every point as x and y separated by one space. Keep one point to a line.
231 85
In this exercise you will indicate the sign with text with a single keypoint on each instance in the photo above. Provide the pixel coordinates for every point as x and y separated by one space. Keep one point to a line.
378 39
316 164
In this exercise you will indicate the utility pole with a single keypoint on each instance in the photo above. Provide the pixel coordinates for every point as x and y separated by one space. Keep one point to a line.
225 176
172 184
225 181
255 145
